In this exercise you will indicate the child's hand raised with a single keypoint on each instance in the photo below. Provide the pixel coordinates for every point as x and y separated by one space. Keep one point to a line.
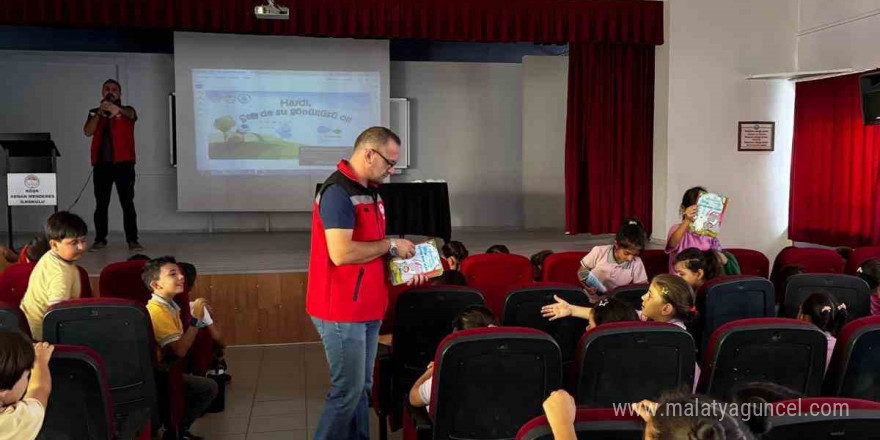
198 310
691 213
560 309
42 353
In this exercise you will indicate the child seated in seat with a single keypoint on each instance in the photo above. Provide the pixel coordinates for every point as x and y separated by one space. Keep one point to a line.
821 310
469 318
454 253
606 310
498 249
618 264
25 385
696 267
537 260
870 272
670 299
680 236
163 277
55 277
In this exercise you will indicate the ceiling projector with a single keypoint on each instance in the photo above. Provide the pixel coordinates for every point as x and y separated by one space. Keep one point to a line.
271 11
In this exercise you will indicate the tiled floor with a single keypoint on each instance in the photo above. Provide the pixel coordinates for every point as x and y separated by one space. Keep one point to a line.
277 392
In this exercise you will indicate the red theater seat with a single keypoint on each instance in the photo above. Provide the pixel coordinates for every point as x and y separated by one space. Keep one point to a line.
12 318
487 383
729 298
854 367
823 417
859 256
80 406
14 282
494 275
656 261
123 280
589 423
614 360
562 267
787 352
631 294
752 262
813 260
85 285
848 289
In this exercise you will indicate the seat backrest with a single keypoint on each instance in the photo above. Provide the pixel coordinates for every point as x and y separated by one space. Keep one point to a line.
123 280
589 423
488 382
423 317
80 406
813 260
12 318
823 417
14 282
523 309
784 351
121 332
614 360
562 267
631 294
496 274
853 371
394 292
85 284
848 289
656 261
751 262
726 299
859 256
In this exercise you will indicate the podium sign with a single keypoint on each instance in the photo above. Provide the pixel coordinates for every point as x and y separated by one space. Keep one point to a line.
31 189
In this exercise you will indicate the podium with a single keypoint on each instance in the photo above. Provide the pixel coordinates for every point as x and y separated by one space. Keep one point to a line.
30 173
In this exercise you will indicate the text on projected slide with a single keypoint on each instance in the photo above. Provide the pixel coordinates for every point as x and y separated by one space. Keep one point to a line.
271 121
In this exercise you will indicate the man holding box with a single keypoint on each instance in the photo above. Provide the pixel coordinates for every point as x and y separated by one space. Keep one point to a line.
348 279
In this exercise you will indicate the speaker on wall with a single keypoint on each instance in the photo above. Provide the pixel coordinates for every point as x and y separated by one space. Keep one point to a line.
869 85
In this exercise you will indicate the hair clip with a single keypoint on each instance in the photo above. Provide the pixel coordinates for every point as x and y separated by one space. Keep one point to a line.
602 303
693 309
841 306
632 222
826 309
664 291
859 270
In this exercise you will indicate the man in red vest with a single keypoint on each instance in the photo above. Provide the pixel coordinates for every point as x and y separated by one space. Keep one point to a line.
348 280
111 127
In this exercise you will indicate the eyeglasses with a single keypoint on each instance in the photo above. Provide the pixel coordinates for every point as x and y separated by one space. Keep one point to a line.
390 163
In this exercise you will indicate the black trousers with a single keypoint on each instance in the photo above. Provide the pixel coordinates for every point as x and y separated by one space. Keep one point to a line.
105 175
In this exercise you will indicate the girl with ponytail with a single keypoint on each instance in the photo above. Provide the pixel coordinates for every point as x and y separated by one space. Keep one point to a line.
821 310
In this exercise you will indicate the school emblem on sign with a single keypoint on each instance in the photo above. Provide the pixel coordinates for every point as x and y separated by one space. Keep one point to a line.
31 182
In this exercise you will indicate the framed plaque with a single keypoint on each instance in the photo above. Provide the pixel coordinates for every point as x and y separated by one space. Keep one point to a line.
756 136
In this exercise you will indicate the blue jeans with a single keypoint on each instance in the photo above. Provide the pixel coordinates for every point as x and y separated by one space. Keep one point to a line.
351 352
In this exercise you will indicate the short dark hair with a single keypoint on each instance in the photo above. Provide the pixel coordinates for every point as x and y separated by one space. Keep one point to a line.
153 269
65 224
631 234
537 260
690 196
756 395
710 419
38 246
112 81
190 274
498 249
780 278
825 312
695 260
452 278
473 317
16 357
375 136
455 249
613 310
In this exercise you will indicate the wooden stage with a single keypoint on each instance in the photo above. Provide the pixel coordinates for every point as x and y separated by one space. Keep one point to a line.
256 281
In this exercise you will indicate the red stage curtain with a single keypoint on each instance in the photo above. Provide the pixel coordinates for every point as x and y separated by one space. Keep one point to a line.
835 166
609 136
547 21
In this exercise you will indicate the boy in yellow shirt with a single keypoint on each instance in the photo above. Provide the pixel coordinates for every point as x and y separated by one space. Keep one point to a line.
165 279
23 399
56 276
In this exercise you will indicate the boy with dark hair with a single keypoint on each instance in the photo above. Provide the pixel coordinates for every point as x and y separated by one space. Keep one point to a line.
23 400
55 277
163 277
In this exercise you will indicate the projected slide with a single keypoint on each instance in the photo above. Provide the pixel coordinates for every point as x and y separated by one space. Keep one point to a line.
271 121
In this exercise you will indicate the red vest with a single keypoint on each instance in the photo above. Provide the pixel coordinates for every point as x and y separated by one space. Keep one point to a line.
122 132
351 292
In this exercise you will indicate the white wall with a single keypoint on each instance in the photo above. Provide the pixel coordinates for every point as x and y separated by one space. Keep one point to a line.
466 129
545 94
839 34
712 47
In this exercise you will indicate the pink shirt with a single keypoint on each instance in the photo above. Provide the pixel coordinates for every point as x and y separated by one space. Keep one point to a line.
875 304
832 341
611 273
690 240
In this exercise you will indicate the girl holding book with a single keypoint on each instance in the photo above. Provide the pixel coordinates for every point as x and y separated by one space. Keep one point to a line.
618 264
681 237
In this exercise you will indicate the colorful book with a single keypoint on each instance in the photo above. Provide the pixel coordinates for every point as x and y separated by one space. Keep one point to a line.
589 279
710 214
425 261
